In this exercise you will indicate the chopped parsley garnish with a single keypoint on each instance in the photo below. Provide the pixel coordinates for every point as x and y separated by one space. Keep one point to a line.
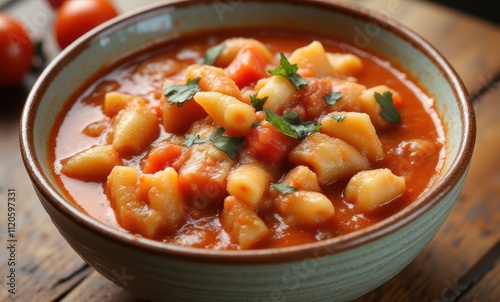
388 113
228 144
338 118
291 125
180 93
192 139
284 188
332 97
258 103
289 71
212 53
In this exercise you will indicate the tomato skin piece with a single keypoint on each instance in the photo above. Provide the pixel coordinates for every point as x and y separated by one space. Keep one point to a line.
248 67
268 144
75 17
163 155
16 51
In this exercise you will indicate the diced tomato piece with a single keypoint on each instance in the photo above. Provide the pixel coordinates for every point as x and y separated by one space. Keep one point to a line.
248 66
268 144
161 156
397 100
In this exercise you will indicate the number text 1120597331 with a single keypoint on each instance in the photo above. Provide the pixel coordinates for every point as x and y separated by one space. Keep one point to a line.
11 240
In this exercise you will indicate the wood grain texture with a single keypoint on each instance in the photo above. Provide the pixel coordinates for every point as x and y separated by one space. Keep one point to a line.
471 229
488 289
469 44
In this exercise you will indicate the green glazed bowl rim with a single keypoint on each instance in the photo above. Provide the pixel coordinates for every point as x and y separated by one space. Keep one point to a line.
262 256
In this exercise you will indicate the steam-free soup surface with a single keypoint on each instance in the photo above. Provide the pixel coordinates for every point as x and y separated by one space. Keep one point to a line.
215 170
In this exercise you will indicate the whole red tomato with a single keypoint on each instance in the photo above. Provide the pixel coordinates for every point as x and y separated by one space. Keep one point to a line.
76 17
16 51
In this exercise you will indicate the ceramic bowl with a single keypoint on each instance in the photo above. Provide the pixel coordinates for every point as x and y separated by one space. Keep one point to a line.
337 269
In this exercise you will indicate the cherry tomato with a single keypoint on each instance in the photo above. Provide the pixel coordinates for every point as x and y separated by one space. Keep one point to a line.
55 3
76 17
16 51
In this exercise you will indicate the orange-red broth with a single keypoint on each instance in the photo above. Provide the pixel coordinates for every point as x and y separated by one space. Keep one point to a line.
203 229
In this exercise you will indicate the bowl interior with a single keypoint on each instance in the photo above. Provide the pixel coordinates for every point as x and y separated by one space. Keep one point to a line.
159 23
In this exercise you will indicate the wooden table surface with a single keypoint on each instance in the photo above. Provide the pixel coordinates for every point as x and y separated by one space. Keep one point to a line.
461 262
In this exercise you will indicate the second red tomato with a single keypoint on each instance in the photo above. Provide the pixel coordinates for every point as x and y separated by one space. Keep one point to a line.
76 17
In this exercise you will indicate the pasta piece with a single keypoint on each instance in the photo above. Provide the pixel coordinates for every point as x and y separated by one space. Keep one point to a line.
93 164
370 189
370 105
233 45
115 101
302 178
135 128
213 79
312 61
248 183
244 226
279 92
305 208
233 115
356 129
330 158
165 197
345 63
133 215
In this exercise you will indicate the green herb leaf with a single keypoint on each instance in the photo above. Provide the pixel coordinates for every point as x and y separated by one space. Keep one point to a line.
284 188
291 125
258 103
338 118
332 98
180 93
256 124
212 53
230 145
389 113
289 71
192 139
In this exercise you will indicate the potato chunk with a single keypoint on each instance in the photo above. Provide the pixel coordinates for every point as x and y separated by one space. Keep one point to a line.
302 178
345 63
93 164
330 158
135 128
132 214
203 176
165 197
313 97
356 129
279 92
305 208
115 101
370 189
370 105
150 205
242 223
312 60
